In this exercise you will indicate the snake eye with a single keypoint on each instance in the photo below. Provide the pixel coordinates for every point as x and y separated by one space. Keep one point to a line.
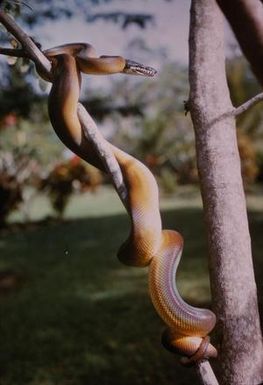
134 68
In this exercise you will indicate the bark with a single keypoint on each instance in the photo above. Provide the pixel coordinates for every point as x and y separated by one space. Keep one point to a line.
206 373
246 20
31 50
232 276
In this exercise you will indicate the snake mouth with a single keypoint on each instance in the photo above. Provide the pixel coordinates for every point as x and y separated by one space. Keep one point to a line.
134 68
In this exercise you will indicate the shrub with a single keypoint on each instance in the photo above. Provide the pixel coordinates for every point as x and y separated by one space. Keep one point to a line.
67 177
16 170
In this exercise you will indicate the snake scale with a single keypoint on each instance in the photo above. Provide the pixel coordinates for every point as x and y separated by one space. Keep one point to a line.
147 243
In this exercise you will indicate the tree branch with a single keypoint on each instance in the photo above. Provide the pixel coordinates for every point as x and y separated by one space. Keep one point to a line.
248 104
34 53
206 373
234 112
104 151
13 52
246 20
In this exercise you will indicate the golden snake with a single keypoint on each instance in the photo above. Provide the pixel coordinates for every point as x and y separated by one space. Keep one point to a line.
147 243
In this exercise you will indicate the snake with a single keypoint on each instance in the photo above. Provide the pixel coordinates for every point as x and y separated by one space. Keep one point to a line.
147 244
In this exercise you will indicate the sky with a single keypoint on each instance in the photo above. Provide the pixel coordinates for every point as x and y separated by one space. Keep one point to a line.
166 36
168 33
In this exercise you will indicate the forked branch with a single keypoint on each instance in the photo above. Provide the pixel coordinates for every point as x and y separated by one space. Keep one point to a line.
33 52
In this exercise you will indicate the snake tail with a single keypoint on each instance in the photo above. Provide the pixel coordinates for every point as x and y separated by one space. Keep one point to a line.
187 325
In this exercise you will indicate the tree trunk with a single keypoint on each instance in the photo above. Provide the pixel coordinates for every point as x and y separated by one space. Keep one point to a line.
246 20
232 276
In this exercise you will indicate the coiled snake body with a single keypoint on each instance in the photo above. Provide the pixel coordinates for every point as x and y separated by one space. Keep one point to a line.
147 243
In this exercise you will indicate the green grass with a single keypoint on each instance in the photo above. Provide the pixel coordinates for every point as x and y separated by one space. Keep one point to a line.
79 316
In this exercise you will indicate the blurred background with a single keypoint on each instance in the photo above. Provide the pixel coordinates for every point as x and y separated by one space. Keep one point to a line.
71 313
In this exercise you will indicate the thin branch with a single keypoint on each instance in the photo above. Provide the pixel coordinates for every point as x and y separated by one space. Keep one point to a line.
23 3
205 373
105 152
245 106
27 43
88 125
13 52
234 112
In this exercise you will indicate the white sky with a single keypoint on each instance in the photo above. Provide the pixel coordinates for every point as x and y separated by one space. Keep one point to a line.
168 33
169 30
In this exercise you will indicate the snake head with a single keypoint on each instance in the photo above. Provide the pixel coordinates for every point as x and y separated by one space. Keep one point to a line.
134 68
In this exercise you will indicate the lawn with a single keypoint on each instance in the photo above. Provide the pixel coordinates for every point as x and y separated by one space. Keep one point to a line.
79 317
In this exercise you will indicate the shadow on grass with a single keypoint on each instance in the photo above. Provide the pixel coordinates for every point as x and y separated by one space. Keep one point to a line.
82 318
